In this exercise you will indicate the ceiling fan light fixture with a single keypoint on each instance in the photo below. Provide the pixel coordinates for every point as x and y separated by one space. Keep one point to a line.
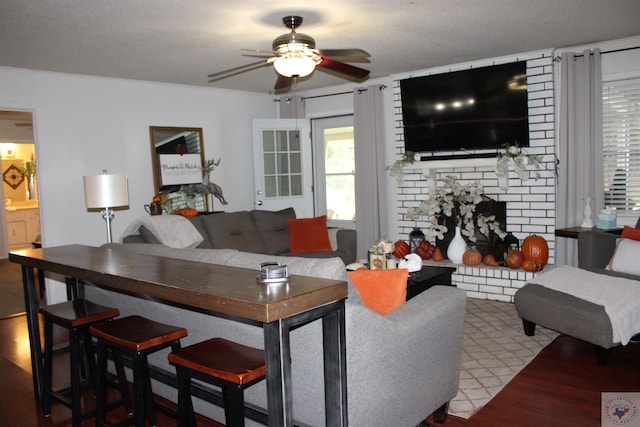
294 66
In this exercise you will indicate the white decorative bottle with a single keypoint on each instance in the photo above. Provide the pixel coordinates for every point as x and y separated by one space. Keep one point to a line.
587 221
456 248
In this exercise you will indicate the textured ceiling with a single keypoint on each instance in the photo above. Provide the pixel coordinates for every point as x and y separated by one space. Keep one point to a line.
181 41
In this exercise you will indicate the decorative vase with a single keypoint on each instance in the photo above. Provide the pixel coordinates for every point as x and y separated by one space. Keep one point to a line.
456 248
31 187
587 220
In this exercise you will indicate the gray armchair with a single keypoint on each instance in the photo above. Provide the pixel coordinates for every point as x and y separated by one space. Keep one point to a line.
595 248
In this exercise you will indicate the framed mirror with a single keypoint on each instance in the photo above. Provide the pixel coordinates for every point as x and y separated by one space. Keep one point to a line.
177 156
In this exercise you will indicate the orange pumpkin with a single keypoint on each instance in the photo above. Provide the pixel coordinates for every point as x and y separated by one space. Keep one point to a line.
425 250
515 259
188 212
490 261
536 248
471 257
437 255
531 265
401 249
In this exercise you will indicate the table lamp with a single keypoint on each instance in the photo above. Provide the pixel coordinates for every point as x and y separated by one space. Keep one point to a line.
106 191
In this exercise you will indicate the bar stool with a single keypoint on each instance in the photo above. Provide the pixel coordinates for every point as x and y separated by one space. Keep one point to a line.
137 337
76 316
223 363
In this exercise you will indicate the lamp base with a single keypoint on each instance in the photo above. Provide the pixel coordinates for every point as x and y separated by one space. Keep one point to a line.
108 214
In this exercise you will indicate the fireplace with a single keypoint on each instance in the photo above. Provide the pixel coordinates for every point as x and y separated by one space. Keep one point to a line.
485 244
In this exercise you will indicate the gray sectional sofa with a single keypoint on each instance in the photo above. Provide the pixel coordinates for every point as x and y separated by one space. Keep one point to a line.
400 367
257 231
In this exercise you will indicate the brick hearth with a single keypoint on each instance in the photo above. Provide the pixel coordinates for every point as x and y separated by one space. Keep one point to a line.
492 283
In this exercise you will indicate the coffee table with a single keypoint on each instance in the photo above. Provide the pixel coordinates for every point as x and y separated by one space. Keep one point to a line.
429 276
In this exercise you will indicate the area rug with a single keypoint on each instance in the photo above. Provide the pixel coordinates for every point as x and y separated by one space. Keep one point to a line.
495 350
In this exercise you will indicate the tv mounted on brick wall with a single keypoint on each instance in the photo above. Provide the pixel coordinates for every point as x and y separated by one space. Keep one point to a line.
475 109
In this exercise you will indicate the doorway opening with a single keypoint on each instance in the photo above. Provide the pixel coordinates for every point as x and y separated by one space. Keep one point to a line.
20 215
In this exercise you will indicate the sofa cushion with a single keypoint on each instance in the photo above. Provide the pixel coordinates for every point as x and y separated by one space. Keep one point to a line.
234 230
198 224
174 231
309 235
381 290
625 257
630 233
147 235
272 227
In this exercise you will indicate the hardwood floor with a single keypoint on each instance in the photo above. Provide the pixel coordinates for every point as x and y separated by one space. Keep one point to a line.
561 387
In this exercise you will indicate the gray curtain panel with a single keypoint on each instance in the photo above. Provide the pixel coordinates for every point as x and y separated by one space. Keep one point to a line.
371 211
580 168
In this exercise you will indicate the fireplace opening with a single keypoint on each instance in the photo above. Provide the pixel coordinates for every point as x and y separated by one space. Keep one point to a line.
485 244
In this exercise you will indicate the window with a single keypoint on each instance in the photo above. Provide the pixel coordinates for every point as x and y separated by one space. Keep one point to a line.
334 163
282 163
621 144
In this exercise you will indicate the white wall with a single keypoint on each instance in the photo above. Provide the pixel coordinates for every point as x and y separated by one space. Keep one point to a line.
85 124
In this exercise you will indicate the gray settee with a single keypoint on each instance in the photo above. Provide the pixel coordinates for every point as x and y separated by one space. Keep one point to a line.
257 231
571 315
400 367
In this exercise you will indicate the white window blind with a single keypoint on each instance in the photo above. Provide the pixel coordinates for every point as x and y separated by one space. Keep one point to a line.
621 144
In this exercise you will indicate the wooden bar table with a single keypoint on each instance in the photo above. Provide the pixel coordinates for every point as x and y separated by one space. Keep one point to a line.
216 289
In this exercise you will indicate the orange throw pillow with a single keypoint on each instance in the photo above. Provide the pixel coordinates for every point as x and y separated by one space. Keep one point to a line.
630 233
309 235
381 290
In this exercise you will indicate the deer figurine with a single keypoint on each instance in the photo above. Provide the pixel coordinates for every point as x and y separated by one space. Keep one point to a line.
208 187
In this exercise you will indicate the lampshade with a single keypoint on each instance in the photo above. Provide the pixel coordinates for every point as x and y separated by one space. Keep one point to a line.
294 66
105 191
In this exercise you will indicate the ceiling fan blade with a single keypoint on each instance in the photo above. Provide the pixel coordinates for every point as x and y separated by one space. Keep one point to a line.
237 70
283 84
347 70
353 55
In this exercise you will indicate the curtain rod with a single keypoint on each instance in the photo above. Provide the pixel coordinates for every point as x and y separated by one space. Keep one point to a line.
557 58
363 89
302 98
326 95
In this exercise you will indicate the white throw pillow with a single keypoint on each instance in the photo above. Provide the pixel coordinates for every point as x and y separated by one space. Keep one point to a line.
626 258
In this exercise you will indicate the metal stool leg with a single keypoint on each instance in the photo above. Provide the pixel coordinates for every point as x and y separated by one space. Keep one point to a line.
48 367
148 393
75 369
139 387
186 416
101 383
233 396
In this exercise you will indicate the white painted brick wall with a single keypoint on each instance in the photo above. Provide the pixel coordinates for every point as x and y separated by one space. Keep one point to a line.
530 204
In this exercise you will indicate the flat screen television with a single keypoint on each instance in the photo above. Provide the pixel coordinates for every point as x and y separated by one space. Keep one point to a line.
477 109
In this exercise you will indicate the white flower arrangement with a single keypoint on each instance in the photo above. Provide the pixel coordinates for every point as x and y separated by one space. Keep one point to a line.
397 168
459 201
383 247
515 154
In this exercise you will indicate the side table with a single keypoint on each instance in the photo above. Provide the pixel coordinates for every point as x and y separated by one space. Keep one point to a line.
573 232
420 281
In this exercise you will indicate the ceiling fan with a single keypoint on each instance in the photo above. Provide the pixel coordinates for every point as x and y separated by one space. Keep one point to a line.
295 56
